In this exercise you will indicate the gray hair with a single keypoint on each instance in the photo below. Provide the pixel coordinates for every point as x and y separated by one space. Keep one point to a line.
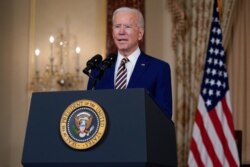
132 10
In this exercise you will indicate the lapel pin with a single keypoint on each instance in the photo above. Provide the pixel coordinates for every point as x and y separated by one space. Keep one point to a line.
143 65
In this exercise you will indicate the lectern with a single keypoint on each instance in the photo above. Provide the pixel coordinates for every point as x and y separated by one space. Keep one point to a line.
137 133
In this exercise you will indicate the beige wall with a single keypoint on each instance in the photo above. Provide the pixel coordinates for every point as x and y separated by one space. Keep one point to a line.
158 35
17 43
13 58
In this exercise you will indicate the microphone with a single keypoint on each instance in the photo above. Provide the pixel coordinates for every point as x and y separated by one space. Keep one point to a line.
106 63
92 64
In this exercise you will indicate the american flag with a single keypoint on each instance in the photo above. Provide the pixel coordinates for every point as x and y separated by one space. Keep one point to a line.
213 142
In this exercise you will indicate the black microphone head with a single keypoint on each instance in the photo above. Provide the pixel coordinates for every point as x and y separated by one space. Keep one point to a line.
98 59
112 56
93 63
108 61
94 60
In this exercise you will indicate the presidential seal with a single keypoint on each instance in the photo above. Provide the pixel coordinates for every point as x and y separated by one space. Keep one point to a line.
82 124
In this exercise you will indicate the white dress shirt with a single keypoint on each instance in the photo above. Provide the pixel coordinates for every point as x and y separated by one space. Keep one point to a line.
130 65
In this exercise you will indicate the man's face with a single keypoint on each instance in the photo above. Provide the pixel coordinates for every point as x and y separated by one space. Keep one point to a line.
126 32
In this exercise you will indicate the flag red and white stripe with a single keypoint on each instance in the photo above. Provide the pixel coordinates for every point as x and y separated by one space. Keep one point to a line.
213 142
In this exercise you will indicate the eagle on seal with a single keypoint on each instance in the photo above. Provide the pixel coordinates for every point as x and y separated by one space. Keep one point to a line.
83 123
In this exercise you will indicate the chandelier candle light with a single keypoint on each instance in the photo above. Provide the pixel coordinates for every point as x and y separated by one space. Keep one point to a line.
37 53
78 49
51 40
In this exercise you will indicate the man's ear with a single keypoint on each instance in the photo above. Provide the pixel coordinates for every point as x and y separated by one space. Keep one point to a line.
141 33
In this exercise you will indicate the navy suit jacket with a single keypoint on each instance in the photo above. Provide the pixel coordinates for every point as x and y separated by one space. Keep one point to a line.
150 73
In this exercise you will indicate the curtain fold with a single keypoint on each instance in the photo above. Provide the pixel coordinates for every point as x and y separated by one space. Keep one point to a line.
191 26
189 45
239 76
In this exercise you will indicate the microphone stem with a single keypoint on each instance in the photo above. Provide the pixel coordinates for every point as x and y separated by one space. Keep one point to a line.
99 76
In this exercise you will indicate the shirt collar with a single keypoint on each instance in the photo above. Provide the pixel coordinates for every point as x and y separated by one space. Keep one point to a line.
132 57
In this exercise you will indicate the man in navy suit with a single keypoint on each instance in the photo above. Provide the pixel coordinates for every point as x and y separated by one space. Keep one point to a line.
142 71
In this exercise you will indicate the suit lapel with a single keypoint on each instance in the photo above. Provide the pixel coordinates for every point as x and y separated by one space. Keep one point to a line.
111 76
140 66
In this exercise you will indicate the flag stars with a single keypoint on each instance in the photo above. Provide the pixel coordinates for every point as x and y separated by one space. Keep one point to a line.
212 82
217 41
218 93
220 63
207 81
222 53
218 83
218 31
214 30
204 91
220 73
210 60
216 19
214 72
215 61
210 92
225 75
212 41
208 70
215 75
216 52
208 102
224 85
211 50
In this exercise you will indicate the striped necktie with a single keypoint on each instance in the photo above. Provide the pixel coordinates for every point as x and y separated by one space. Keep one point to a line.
121 77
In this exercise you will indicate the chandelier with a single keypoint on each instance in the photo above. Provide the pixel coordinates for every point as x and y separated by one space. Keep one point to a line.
55 76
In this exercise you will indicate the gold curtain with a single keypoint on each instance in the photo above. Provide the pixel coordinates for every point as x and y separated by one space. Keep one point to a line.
111 6
191 28
191 20
239 73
